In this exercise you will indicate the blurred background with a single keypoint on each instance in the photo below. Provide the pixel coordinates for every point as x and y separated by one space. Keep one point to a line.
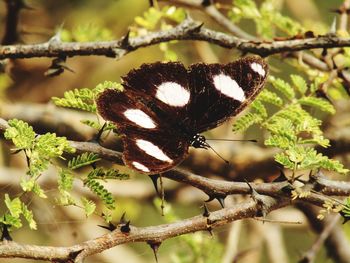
26 91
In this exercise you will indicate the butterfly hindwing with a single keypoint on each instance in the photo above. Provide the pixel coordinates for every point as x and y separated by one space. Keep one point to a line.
150 146
153 152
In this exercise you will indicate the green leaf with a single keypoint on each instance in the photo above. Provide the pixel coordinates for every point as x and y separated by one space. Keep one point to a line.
82 99
65 180
283 159
299 83
102 174
279 141
83 160
28 215
318 103
89 206
259 108
283 87
246 121
11 220
246 8
50 146
39 191
101 192
27 185
21 134
150 18
333 165
270 97
14 206
173 13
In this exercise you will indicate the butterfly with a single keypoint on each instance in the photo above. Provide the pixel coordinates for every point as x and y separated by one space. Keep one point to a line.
164 107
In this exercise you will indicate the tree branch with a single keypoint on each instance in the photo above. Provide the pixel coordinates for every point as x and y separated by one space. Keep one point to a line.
187 30
150 234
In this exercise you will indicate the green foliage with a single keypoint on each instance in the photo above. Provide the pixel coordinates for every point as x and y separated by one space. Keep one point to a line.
346 209
266 17
283 87
103 174
246 121
163 19
84 99
21 134
16 208
319 103
40 151
86 32
98 189
270 97
83 160
89 206
291 127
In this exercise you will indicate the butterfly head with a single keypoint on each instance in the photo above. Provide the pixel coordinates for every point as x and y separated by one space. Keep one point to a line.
198 141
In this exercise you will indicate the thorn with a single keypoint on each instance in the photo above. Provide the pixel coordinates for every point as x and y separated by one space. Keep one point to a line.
210 198
282 177
210 230
206 212
125 41
333 29
122 219
17 151
256 197
110 226
345 217
154 246
154 178
206 3
57 67
219 197
5 233
126 227
56 38
221 200
196 29
73 255
97 137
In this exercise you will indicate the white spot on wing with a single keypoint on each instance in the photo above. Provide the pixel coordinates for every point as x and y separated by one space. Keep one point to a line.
140 167
152 150
228 87
258 68
140 118
173 94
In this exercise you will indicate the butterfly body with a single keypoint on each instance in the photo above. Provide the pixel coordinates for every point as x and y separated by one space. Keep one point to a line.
164 107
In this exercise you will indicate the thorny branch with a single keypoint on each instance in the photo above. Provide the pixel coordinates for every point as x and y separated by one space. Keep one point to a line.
155 234
187 30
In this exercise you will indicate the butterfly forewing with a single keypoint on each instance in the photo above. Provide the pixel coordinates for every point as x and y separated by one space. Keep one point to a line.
222 91
163 87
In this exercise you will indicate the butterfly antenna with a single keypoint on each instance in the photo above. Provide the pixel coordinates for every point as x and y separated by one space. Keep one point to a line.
230 140
222 158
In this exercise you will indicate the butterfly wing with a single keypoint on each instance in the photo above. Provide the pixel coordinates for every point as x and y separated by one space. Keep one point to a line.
150 146
163 87
222 91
